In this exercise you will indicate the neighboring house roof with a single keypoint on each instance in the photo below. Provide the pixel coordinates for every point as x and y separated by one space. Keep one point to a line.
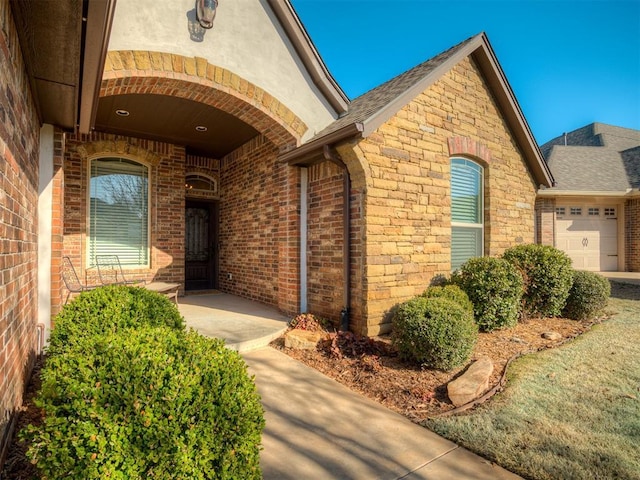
369 111
594 158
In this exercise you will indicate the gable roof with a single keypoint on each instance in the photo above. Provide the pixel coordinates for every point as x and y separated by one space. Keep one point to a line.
369 111
595 158
310 57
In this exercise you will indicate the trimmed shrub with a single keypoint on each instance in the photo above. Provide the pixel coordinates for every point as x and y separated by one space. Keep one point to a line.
154 403
547 275
588 295
435 332
110 309
495 288
450 292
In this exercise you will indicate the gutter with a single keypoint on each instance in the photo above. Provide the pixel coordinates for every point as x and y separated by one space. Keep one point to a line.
96 30
310 153
548 193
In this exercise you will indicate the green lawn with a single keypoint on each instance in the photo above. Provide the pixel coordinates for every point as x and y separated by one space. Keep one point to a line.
568 413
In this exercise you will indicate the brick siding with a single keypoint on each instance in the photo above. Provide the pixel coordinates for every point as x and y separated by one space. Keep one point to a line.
325 224
259 221
19 163
632 234
167 199
545 221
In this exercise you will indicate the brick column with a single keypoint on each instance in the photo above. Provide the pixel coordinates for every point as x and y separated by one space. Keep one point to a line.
57 223
632 234
289 239
545 219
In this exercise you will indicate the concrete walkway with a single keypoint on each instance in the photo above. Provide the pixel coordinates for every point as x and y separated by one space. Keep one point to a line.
317 429
632 278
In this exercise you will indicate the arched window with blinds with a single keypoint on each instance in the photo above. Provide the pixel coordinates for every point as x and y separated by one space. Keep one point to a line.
467 217
119 211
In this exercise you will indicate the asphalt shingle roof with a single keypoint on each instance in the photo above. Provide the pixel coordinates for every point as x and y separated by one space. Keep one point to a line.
371 103
596 157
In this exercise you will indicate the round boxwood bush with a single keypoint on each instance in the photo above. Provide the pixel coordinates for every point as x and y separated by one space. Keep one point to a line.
547 275
152 403
450 292
495 288
434 332
109 309
588 295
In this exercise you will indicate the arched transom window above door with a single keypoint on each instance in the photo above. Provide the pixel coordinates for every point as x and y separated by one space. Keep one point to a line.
199 185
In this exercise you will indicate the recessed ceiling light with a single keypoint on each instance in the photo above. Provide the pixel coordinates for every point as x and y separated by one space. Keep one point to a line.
122 113
201 128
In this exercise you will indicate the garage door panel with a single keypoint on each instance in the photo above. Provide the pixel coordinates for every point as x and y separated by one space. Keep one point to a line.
590 241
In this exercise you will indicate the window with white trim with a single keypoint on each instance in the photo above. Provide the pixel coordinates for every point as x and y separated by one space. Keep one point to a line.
575 211
593 212
119 211
560 211
610 212
467 211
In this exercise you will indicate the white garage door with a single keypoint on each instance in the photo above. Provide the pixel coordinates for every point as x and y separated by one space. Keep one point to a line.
589 235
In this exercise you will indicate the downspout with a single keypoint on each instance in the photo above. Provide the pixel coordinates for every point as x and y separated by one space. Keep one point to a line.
333 157
304 178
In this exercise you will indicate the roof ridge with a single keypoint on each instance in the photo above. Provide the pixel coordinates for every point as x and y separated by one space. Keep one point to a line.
433 60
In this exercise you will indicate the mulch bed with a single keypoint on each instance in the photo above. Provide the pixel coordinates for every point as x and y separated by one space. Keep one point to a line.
373 368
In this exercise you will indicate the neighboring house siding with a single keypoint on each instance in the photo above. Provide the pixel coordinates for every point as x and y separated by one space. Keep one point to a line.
166 201
408 209
632 229
19 157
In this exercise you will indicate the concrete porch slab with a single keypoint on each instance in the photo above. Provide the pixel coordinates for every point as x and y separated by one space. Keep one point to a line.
243 324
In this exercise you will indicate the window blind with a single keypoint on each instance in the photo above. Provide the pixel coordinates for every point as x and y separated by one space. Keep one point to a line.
465 192
466 211
118 215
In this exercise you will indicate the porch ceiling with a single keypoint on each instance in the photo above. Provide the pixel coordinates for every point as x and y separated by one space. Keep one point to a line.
172 119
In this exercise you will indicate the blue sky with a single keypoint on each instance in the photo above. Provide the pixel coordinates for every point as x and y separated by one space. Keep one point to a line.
569 62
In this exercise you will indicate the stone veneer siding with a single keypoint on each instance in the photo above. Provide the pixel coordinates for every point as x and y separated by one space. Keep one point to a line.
632 234
407 211
19 167
167 201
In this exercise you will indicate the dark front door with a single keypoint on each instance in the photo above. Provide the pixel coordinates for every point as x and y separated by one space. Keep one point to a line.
201 245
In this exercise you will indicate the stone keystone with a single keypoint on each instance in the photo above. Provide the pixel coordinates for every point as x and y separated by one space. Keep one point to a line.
472 383
302 339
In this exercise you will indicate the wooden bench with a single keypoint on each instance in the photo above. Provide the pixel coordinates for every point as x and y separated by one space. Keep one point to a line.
168 289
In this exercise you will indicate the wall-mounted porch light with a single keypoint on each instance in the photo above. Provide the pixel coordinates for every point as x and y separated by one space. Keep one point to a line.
206 12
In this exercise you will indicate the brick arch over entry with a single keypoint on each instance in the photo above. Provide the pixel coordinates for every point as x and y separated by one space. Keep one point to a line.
194 78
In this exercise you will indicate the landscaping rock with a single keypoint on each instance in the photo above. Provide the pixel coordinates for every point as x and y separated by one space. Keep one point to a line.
302 339
552 336
472 383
